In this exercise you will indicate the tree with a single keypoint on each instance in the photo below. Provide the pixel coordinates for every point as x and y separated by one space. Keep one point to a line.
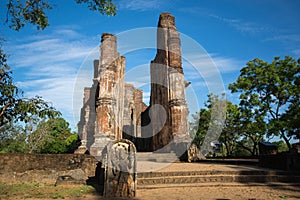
269 95
240 133
282 147
12 139
21 12
208 123
13 106
251 131
199 126
52 136
230 132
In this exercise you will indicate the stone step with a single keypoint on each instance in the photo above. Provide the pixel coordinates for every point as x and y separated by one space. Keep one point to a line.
217 184
209 173
220 178
157 157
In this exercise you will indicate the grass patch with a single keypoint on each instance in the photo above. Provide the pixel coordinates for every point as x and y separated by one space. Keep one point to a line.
40 190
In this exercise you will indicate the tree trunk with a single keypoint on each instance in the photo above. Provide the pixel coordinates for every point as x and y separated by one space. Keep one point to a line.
286 140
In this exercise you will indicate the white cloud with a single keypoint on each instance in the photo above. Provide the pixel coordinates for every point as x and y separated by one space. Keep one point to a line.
205 72
287 37
243 26
140 5
208 65
47 52
50 64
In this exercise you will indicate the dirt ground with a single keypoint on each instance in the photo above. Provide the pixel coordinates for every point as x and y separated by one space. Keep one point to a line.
213 193
205 192
222 193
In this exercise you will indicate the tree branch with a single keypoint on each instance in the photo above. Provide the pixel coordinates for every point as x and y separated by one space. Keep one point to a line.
4 108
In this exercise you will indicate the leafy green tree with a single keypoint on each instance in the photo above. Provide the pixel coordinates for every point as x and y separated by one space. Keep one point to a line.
199 126
12 139
252 130
52 136
269 95
282 147
240 132
208 123
230 132
72 143
13 106
21 12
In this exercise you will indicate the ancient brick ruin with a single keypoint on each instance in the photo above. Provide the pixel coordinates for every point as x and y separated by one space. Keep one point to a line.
113 110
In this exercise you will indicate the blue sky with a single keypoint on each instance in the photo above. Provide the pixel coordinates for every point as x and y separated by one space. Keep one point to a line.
57 63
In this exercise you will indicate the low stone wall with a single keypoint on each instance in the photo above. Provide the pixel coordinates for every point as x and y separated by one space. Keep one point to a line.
283 161
47 168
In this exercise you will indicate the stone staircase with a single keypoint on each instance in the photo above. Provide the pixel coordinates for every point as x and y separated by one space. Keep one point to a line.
157 157
214 175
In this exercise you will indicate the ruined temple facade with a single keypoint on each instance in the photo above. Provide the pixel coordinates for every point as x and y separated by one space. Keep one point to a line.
113 110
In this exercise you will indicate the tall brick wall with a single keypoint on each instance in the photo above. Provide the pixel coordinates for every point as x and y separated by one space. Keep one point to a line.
46 168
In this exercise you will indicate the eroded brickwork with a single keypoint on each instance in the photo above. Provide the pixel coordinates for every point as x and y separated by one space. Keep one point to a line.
113 110
168 86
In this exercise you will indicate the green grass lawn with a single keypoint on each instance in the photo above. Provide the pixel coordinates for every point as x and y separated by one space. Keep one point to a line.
40 190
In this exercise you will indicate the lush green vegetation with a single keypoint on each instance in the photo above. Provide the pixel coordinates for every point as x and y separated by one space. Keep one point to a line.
268 108
51 136
30 125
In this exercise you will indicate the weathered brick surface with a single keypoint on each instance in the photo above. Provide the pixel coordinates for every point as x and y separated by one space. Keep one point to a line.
168 87
46 168
113 109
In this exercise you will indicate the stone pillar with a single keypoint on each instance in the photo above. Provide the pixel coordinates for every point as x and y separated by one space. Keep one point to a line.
159 110
139 108
83 123
168 86
119 94
177 103
96 69
109 96
177 99
108 49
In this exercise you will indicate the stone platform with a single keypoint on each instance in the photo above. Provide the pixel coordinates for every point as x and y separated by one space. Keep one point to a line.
153 175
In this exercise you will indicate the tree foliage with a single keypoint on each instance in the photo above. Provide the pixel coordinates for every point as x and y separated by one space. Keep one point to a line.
105 7
13 106
208 123
269 96
269 106
230 132
21 12
53 136
239 133
12 139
